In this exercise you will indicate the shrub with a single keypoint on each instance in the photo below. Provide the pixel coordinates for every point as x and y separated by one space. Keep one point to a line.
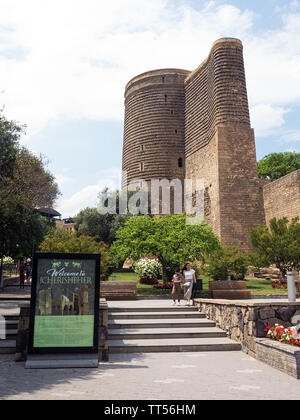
68 242
8 261
163 286
226 262
147 268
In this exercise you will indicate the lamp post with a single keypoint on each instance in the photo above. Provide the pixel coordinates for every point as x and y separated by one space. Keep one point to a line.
291 286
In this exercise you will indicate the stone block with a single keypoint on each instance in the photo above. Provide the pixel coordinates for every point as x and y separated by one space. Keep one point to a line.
266 313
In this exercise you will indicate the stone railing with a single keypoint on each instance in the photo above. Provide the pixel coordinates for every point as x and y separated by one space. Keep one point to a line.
245 321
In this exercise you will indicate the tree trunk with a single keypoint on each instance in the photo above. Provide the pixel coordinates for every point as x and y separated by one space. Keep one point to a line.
164 276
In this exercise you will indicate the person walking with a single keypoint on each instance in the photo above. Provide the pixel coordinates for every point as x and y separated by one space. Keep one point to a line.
22 275
28 271
189 281
177 280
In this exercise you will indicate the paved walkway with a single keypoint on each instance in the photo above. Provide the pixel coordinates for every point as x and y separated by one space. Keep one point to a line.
152 376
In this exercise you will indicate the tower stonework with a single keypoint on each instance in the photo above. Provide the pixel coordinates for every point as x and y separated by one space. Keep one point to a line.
154 126
201 117
220 146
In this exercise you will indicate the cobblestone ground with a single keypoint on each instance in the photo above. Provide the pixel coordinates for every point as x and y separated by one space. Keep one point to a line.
173 376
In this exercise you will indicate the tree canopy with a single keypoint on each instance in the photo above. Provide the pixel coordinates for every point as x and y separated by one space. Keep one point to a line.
169 238
276 165
279 244
25 185
60 240
102 227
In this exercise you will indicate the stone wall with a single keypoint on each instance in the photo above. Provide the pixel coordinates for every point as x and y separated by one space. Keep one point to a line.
220 146
245 321
279 355
154 126
201 119
282 197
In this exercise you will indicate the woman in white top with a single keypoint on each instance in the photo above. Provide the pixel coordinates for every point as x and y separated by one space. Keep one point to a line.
189 280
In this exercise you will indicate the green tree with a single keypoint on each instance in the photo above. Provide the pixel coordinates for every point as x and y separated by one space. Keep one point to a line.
279 244
59 240
102 227
227 261
10 133
168 238
25 185
276 165
31 185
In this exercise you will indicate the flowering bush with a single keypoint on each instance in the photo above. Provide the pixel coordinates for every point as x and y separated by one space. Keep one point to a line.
163 286
7 261
147 268
288 335
279 285
151 282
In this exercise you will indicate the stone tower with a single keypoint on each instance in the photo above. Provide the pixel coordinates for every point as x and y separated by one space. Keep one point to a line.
196 125
154 126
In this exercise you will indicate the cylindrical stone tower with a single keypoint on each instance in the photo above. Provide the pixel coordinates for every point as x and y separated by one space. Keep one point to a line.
154 126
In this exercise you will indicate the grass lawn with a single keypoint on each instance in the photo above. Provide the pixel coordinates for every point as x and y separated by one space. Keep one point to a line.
264 287
257 286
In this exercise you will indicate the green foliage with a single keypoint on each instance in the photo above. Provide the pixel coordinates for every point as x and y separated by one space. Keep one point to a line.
25 184
276 165
63 241
102 227
279 245
31 185
21 231
9 137
168 238
227 262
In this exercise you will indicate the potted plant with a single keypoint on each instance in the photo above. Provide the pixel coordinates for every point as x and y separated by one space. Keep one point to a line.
228 267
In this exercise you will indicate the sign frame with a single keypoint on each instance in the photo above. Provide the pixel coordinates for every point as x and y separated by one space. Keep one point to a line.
63 256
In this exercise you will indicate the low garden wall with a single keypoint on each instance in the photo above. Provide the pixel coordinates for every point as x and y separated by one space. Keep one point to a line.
245 321
279 355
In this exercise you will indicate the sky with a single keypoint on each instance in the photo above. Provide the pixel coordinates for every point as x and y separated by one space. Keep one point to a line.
64 65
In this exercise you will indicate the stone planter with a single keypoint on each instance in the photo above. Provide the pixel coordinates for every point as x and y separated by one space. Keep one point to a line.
229 289
278 355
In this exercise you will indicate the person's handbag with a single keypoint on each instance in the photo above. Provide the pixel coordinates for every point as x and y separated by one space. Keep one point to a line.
187 284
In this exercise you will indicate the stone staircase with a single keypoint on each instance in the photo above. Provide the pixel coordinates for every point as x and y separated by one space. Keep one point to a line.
8 345
164 329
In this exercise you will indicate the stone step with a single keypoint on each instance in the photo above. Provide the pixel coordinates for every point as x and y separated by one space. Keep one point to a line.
173 345
11 324
170 308
156 315
162 333
12 318
10 333
163 323
7 346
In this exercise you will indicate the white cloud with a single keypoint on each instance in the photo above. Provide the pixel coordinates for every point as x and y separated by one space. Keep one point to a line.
62 179
265 118
291 136
88 196
75 57
71 59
